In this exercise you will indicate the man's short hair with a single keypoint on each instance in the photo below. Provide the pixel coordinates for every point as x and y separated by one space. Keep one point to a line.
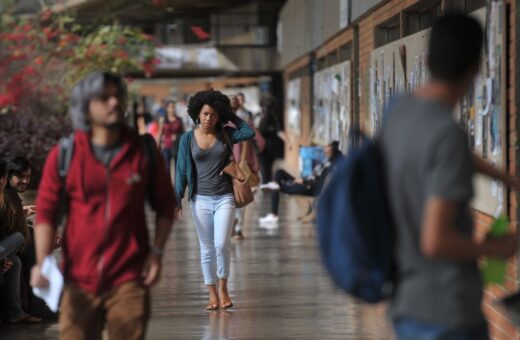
455 47
17 166
89 88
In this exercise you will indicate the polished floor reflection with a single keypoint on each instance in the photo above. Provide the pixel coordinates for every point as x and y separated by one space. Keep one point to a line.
277 283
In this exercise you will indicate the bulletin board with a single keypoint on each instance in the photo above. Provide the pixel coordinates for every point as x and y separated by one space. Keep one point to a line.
332 105
396 68
297 119
482 112
293 105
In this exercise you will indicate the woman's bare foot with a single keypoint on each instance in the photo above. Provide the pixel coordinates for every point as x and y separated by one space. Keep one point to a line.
213 298
225 300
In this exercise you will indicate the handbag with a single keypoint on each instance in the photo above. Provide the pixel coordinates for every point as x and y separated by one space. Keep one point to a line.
241 188
254 179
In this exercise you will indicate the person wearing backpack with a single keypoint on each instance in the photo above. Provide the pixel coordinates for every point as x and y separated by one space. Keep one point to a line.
204 152
109 264
429 169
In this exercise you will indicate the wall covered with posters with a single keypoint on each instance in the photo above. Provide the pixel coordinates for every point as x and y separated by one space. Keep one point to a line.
400 67
293 105
332 105
395 69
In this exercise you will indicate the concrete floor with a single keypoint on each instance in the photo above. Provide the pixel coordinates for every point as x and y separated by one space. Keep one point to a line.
277 283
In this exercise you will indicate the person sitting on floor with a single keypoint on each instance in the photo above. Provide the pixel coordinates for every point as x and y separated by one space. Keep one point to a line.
308 186
14 236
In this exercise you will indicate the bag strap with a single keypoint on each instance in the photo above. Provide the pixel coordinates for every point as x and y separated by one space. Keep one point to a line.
229 144
243 151
149 148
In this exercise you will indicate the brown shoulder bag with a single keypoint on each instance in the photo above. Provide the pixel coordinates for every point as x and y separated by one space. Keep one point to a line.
241 188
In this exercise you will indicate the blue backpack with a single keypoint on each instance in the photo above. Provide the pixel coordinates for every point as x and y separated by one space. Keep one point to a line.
354 225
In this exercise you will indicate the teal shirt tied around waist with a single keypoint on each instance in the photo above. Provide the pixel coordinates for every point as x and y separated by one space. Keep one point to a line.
185 172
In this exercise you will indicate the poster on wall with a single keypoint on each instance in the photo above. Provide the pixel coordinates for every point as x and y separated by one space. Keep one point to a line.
395 69
332 105
294 106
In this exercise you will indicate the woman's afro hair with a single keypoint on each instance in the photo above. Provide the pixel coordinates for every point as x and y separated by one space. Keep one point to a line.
218 101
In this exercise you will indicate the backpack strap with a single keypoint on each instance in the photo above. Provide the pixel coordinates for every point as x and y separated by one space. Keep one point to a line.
65 152
66 149
150 151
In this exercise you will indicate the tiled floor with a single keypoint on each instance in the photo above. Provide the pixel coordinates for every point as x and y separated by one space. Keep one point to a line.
278 285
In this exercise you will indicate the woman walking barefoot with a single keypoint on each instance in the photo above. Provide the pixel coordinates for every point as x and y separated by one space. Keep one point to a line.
203 154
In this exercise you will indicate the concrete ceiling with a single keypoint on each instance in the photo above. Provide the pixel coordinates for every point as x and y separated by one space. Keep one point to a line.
138 11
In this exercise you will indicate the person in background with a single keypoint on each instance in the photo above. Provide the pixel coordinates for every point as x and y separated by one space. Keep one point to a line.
308 186
160 109
272 131
242 112
203 154
251 160
19 173
170 131
14 237
141 117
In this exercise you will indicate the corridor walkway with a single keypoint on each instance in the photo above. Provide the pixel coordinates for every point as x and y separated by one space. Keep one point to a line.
278 286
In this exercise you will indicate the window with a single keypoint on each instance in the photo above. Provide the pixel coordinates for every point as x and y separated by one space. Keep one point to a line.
388 31
345 52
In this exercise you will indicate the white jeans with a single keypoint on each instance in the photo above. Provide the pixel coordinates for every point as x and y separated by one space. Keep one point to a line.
213 217
239 216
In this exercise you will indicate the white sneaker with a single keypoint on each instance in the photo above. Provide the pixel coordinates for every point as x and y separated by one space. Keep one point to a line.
269 226
270 186
269 218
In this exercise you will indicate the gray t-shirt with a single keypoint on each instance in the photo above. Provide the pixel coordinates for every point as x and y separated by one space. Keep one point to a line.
426 155
105 154
209 164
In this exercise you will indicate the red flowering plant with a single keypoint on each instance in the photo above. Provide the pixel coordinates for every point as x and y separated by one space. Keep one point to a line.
40 60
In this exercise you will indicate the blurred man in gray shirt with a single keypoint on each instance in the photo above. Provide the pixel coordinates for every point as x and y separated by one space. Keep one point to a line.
429 169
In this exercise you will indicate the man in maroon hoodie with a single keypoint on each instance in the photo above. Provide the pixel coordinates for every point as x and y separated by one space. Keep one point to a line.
108 264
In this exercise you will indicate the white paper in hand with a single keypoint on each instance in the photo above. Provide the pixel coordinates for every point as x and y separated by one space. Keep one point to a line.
51 294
